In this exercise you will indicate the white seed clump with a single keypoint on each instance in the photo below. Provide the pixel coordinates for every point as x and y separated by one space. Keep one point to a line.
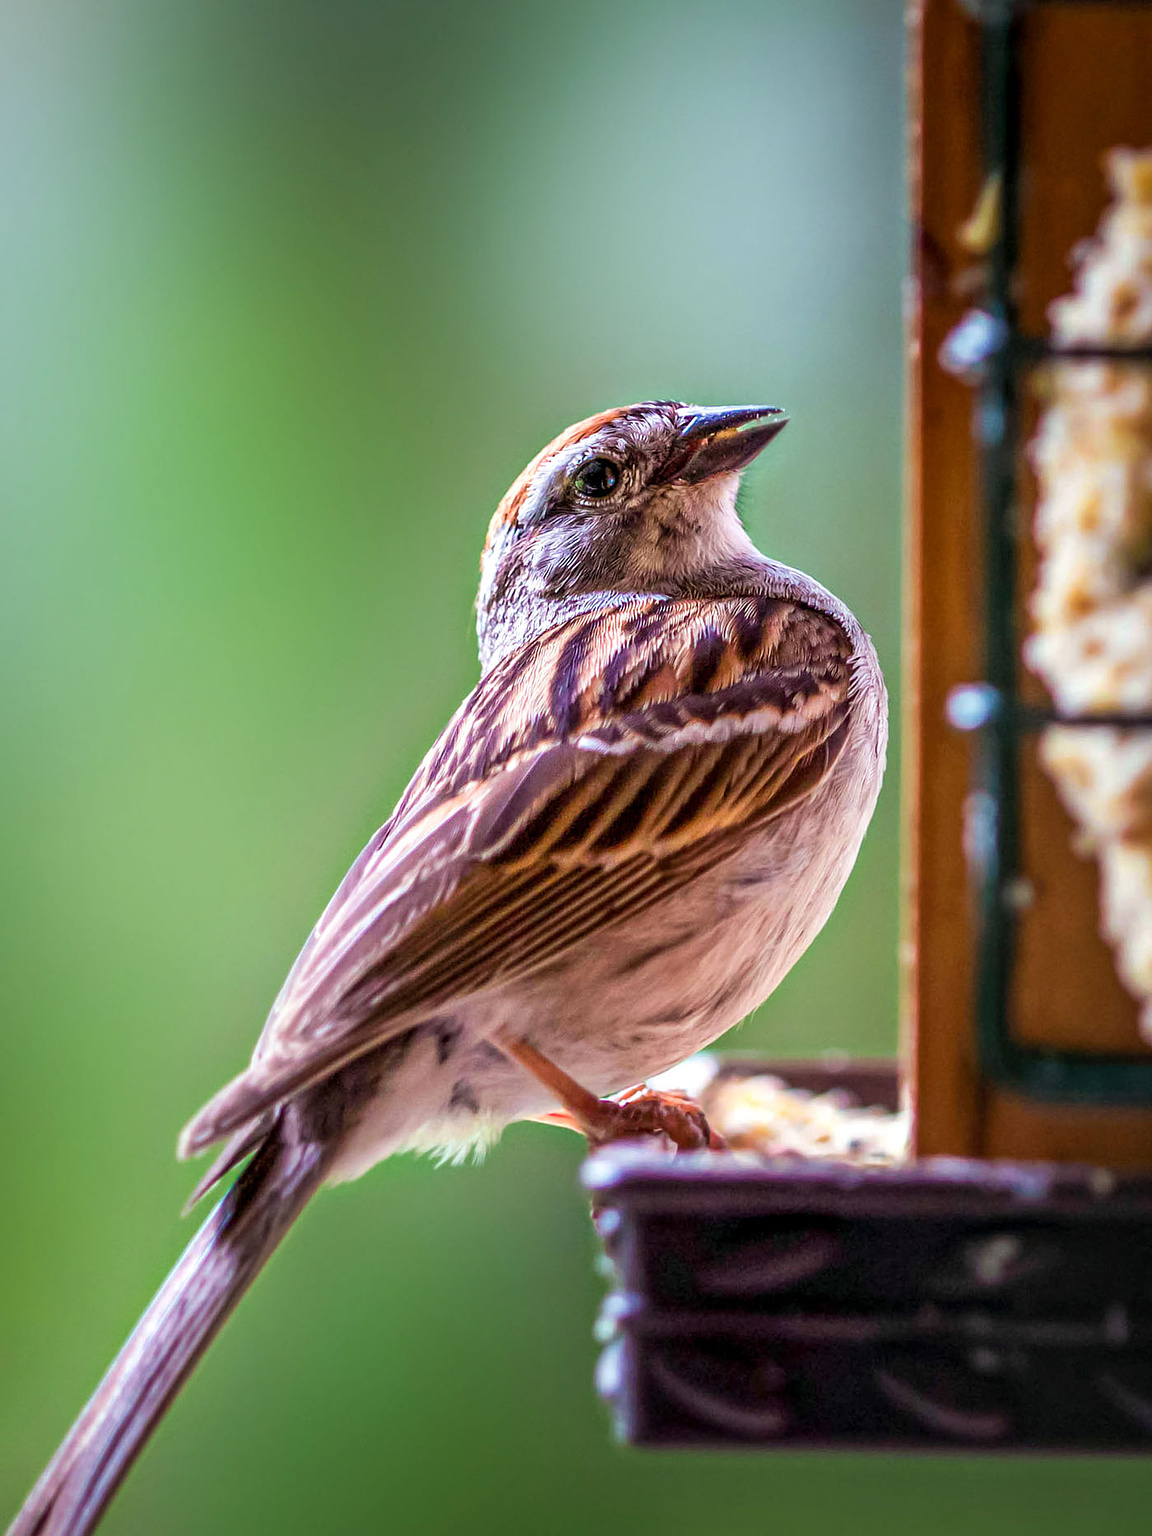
763 1114
1092 605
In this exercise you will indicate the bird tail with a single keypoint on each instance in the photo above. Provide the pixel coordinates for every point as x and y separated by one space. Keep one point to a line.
184 1317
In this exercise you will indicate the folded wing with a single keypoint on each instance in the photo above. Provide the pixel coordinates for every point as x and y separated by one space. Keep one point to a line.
589 775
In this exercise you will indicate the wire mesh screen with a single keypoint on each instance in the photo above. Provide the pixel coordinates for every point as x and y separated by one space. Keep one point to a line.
990 349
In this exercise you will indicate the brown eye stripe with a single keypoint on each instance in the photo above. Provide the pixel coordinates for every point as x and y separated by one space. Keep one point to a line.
509 509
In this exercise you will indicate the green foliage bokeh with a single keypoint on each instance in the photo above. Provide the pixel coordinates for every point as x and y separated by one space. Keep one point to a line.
289 292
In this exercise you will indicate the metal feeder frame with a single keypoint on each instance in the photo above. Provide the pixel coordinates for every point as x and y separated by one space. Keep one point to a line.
989 344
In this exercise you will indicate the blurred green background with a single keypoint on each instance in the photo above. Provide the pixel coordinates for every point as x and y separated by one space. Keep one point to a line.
289 294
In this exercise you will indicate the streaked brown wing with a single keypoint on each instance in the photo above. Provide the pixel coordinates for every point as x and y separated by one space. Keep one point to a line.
586 777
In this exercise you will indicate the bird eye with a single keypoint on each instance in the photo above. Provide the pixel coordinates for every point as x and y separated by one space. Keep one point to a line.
597 478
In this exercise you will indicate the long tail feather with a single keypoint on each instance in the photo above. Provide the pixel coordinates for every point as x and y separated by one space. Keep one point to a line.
211 1275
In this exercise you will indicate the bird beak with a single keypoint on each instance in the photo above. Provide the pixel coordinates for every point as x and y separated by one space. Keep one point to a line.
720 442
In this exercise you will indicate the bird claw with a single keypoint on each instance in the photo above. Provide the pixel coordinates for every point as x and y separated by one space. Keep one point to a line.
647 1112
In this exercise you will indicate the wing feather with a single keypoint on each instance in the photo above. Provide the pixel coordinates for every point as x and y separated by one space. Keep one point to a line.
546 813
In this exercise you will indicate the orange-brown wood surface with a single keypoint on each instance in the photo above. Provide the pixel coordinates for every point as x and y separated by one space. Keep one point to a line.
942 618
1021 1128
1066 993
1085 75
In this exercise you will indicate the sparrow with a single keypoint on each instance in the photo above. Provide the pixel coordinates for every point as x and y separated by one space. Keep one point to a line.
621 842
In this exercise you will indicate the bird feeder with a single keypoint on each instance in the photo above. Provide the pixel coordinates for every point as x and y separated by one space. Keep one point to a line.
991 1291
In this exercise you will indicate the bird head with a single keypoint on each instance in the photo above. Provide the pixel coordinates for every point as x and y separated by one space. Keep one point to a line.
637 499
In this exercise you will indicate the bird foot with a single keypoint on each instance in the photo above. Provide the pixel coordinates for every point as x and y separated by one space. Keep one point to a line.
641 1111
647 1112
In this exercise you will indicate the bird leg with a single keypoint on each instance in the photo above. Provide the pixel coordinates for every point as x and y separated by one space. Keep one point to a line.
639 1112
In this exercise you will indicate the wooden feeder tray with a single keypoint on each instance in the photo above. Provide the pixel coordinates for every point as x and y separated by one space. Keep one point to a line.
948 1302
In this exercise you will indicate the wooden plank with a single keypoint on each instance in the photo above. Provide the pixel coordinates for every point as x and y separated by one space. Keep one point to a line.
1063 1133
942 564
